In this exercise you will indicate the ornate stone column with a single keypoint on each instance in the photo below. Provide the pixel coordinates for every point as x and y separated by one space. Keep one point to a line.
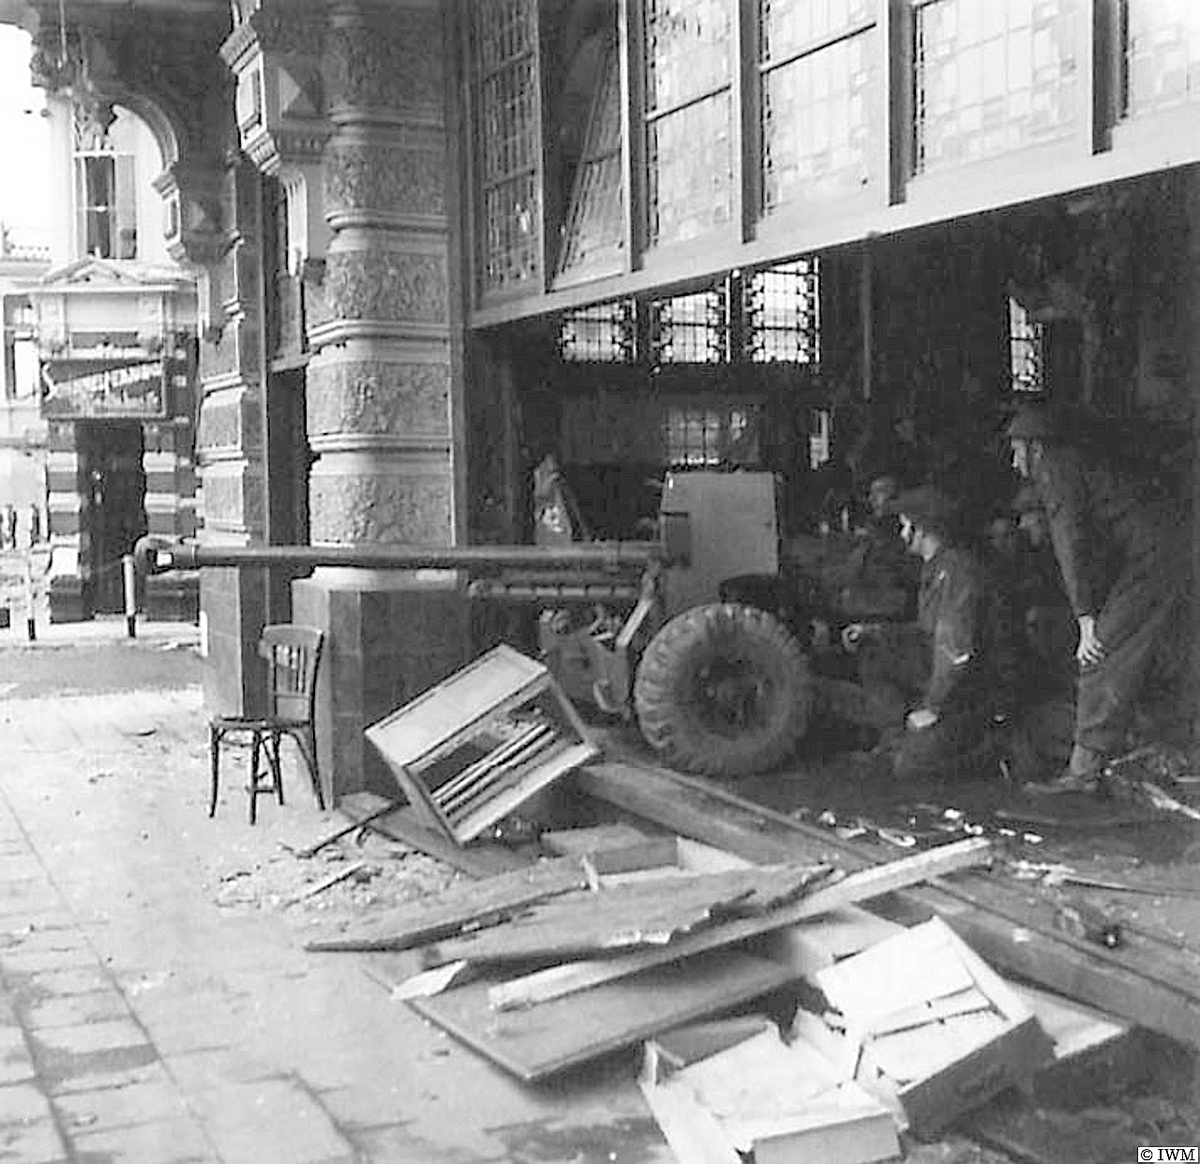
379 382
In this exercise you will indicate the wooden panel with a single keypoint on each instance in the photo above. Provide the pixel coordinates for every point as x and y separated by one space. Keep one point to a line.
534 1044
643 913
477 902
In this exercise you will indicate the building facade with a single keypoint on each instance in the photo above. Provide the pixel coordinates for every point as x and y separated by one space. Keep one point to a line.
22 428
115 319
436 238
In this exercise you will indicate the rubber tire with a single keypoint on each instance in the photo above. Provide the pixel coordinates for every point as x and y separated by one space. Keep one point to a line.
664 699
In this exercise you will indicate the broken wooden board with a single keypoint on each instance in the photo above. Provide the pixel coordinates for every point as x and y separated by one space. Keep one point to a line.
480 859
613 848
1040 1136
535 1044
473 903
1150 986
559 981
643 913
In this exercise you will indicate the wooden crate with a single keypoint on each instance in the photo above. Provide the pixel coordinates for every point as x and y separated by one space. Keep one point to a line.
471 749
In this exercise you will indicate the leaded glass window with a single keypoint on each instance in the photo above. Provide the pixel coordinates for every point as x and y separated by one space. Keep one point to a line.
707 434
1161 63
989 77
1027 349
783 313
819 75
508 137
595 232
689 117
602 333
691 329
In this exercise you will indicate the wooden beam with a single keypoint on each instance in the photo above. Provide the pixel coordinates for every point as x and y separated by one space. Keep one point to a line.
574 976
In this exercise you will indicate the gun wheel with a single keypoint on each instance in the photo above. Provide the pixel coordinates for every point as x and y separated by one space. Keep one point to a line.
723 690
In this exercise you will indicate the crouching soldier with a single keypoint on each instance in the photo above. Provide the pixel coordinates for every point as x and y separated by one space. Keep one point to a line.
930 685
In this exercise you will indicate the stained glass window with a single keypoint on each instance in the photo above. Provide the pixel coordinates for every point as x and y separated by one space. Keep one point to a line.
691 329
991 77
689 114
1161 54
602 333
508 132
783 313
819 79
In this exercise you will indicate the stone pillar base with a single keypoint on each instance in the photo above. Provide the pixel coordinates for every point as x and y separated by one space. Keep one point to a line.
388 638
233 609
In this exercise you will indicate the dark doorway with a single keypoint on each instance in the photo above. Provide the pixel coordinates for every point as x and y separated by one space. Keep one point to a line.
113 487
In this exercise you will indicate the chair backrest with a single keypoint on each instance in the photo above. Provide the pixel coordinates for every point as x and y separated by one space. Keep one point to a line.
293 654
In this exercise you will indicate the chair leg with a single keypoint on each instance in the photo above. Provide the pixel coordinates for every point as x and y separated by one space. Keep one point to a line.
214 750
272 749
255 747
307 744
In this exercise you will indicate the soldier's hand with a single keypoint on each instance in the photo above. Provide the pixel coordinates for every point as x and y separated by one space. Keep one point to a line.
1091 649
921 718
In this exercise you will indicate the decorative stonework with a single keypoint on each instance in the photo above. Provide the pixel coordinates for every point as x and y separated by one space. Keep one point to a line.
387 285
393 179
372 396
392 64
379 509
233 500
227 422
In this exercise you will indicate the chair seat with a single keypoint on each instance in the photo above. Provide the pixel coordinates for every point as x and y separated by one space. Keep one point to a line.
260 724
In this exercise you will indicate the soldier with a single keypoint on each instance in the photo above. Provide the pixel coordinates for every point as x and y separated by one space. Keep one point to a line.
935 676
10 526
1124 570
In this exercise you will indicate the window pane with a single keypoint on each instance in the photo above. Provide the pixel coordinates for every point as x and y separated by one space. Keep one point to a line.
688 49
783 313
989 78
1162 54
690 171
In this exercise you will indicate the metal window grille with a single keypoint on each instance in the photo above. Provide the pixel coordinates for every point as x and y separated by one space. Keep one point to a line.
702 434
691 329
990 77
1160 54
1027 350
508 135
783 313
689 117
819 66
603 333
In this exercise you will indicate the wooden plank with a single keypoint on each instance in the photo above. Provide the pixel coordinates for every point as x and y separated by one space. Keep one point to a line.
634 914
1148 985
481 859
461 905
559 981
534 1044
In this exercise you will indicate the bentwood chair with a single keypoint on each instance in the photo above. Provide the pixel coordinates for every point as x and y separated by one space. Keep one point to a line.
293 654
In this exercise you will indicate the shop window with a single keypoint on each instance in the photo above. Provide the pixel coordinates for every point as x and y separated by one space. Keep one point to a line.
819 65
691 329
507 97
1027 350
710 434
689 117
107 205
991 77
783 313
602 334
1160 59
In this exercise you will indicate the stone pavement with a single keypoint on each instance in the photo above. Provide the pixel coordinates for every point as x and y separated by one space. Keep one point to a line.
150 1016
